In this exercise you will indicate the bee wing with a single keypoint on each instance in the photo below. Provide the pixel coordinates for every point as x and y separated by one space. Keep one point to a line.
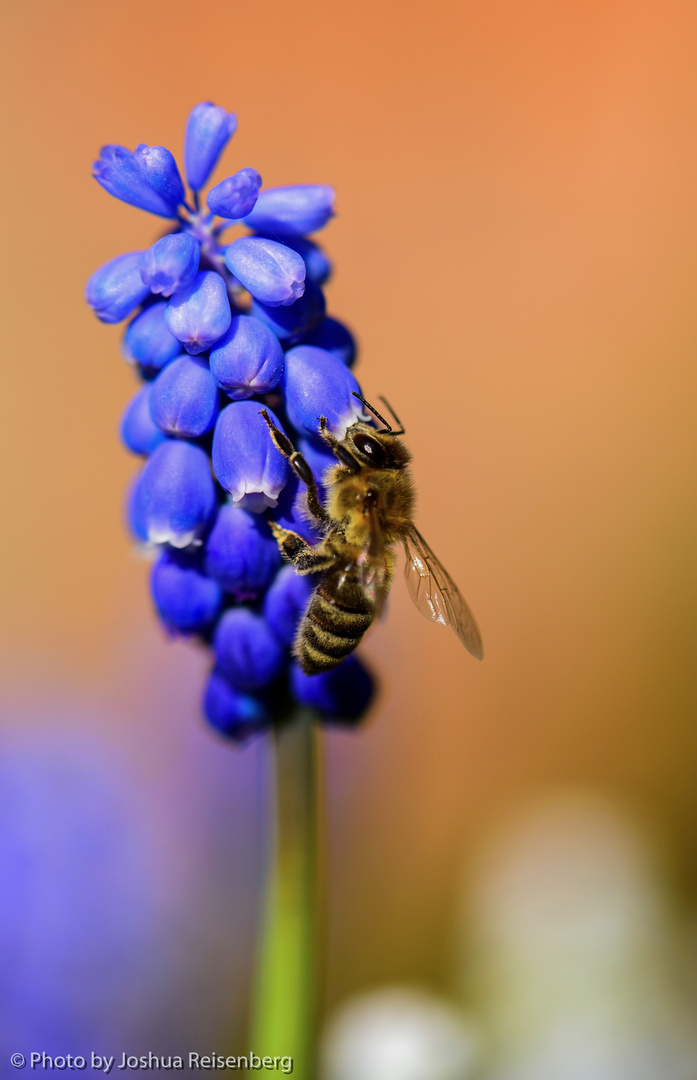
436 595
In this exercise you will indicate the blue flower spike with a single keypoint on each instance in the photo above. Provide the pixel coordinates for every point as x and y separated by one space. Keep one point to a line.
199 314
235 196
316 383
271 272
247 360
213 483
184 400
176 498
171 263
116 289
292 211
245 460
121 175
208 130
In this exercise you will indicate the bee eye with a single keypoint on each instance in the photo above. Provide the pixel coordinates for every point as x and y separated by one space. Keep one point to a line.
370 448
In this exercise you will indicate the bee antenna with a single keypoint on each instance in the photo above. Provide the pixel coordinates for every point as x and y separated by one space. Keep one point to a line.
373 410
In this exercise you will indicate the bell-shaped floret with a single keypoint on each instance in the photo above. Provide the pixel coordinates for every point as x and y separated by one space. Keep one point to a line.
148 342
135 511
248 653
232 712
176 499
158 167
116 289
187 600
248 359
291 323
316 384
241 553
271 272
245 459
171 263
335 338
292 211
340 695
138 429
185 399
120 174
236 195
208 130
286 602
199 313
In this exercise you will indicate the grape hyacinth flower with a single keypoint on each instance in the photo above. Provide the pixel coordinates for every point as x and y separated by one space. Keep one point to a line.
219 329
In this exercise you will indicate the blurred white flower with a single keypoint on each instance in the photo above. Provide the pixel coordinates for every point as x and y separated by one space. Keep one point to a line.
398 1033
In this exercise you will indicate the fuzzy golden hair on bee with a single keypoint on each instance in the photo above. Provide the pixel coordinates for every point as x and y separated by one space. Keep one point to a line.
369 507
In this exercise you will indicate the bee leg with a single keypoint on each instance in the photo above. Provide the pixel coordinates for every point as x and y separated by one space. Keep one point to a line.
299 466
305 558
343 455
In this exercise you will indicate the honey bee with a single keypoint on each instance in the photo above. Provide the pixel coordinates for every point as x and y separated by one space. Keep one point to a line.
369 508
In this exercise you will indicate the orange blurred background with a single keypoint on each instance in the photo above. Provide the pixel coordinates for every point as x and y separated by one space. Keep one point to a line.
515 248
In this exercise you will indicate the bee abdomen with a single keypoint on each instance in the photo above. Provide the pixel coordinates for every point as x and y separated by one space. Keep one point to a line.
329 632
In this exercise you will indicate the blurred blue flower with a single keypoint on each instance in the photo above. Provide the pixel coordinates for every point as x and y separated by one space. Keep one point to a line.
186 598
148 342
241 553
138 429
248 653
184 398
176 496
247 360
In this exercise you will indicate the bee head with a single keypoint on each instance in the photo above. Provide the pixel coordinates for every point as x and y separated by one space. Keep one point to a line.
377 449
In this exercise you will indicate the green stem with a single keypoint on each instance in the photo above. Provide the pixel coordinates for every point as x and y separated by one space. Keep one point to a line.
286 991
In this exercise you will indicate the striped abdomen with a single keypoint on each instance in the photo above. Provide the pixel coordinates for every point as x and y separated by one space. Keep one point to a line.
339 614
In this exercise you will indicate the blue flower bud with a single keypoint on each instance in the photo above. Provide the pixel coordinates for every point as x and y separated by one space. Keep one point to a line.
207 132
335 338
241 553
116 289
292 211
171 263
158 167
248 654
292 512
317 263
176 500
286 602
232 712
187 600
342 694
248 359
236 195
273 273
290 323
138 429
245 460
118 172
184 399
199 313
148 342
316 384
